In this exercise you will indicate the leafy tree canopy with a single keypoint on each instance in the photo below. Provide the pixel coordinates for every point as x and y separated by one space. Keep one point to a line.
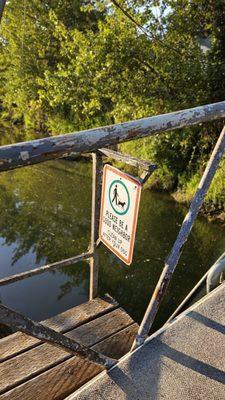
76 64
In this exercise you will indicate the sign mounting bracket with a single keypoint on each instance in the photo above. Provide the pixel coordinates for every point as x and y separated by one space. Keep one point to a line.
147 167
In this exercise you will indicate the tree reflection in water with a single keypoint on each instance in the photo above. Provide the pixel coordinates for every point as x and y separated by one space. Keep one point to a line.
45 214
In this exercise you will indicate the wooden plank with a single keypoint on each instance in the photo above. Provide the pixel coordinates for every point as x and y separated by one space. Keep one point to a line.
34 361
118 344
65 378
57 383
76 316
26 325
93 332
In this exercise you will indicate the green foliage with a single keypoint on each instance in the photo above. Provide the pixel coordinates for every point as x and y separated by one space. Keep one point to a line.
74 65
30 50
215 199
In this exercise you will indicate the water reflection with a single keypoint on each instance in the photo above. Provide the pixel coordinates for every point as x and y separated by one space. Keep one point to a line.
44 217
45 214
159 222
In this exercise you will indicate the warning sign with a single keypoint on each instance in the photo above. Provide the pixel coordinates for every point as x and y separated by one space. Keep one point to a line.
119 212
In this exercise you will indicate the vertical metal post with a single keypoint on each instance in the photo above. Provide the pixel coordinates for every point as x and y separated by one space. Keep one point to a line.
96 201
2 6
174 256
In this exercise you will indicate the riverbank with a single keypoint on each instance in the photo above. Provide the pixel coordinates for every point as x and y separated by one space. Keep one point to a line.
211 211
180 188
183 191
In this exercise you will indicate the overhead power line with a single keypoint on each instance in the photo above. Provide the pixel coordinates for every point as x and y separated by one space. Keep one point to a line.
149 34
125 12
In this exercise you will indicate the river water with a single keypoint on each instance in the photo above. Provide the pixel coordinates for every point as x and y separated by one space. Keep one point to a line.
45 215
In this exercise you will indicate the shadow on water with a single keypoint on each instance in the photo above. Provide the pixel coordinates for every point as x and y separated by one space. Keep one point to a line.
45 214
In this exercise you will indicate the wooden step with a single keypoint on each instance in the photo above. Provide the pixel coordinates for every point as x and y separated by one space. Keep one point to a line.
18 342
44 371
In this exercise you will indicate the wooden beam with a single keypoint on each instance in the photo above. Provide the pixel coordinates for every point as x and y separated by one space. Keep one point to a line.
17 343
18 321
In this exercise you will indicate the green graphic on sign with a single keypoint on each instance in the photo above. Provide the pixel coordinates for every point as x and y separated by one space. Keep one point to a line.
119 197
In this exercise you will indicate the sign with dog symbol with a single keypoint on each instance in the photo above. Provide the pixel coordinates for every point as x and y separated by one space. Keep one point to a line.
119 211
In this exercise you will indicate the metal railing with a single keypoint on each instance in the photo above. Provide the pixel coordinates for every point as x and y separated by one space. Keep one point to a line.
208 282
94 141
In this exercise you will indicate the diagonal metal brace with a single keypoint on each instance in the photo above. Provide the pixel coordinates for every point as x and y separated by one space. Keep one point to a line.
174 256
128 159
147 166
18 321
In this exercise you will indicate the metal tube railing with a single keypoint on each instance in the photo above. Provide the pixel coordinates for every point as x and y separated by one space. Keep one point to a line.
36 151
174 256
194 292
127 159
45 268
97 168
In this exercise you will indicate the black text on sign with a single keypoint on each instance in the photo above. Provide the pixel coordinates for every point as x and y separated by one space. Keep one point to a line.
119 212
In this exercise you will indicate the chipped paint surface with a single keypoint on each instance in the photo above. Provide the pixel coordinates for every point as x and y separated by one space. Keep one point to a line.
24 156
36 151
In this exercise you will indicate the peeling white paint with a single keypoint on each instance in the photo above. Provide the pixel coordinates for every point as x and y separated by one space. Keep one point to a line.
24 155
90 140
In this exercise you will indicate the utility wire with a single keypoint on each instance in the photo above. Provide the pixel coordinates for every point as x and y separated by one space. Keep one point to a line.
130 18
148 34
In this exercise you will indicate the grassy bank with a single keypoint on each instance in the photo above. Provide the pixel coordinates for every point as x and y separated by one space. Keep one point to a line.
181 183
214 205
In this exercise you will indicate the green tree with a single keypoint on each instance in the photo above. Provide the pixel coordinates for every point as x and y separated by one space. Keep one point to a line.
74 65
29 47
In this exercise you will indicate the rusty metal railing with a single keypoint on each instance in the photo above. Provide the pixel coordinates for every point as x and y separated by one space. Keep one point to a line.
174 256
40 150
94 140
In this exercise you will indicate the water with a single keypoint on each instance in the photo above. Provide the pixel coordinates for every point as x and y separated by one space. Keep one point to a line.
45 215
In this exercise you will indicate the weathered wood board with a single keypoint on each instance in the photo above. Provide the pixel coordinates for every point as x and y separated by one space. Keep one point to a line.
46 372
19 342
63 379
